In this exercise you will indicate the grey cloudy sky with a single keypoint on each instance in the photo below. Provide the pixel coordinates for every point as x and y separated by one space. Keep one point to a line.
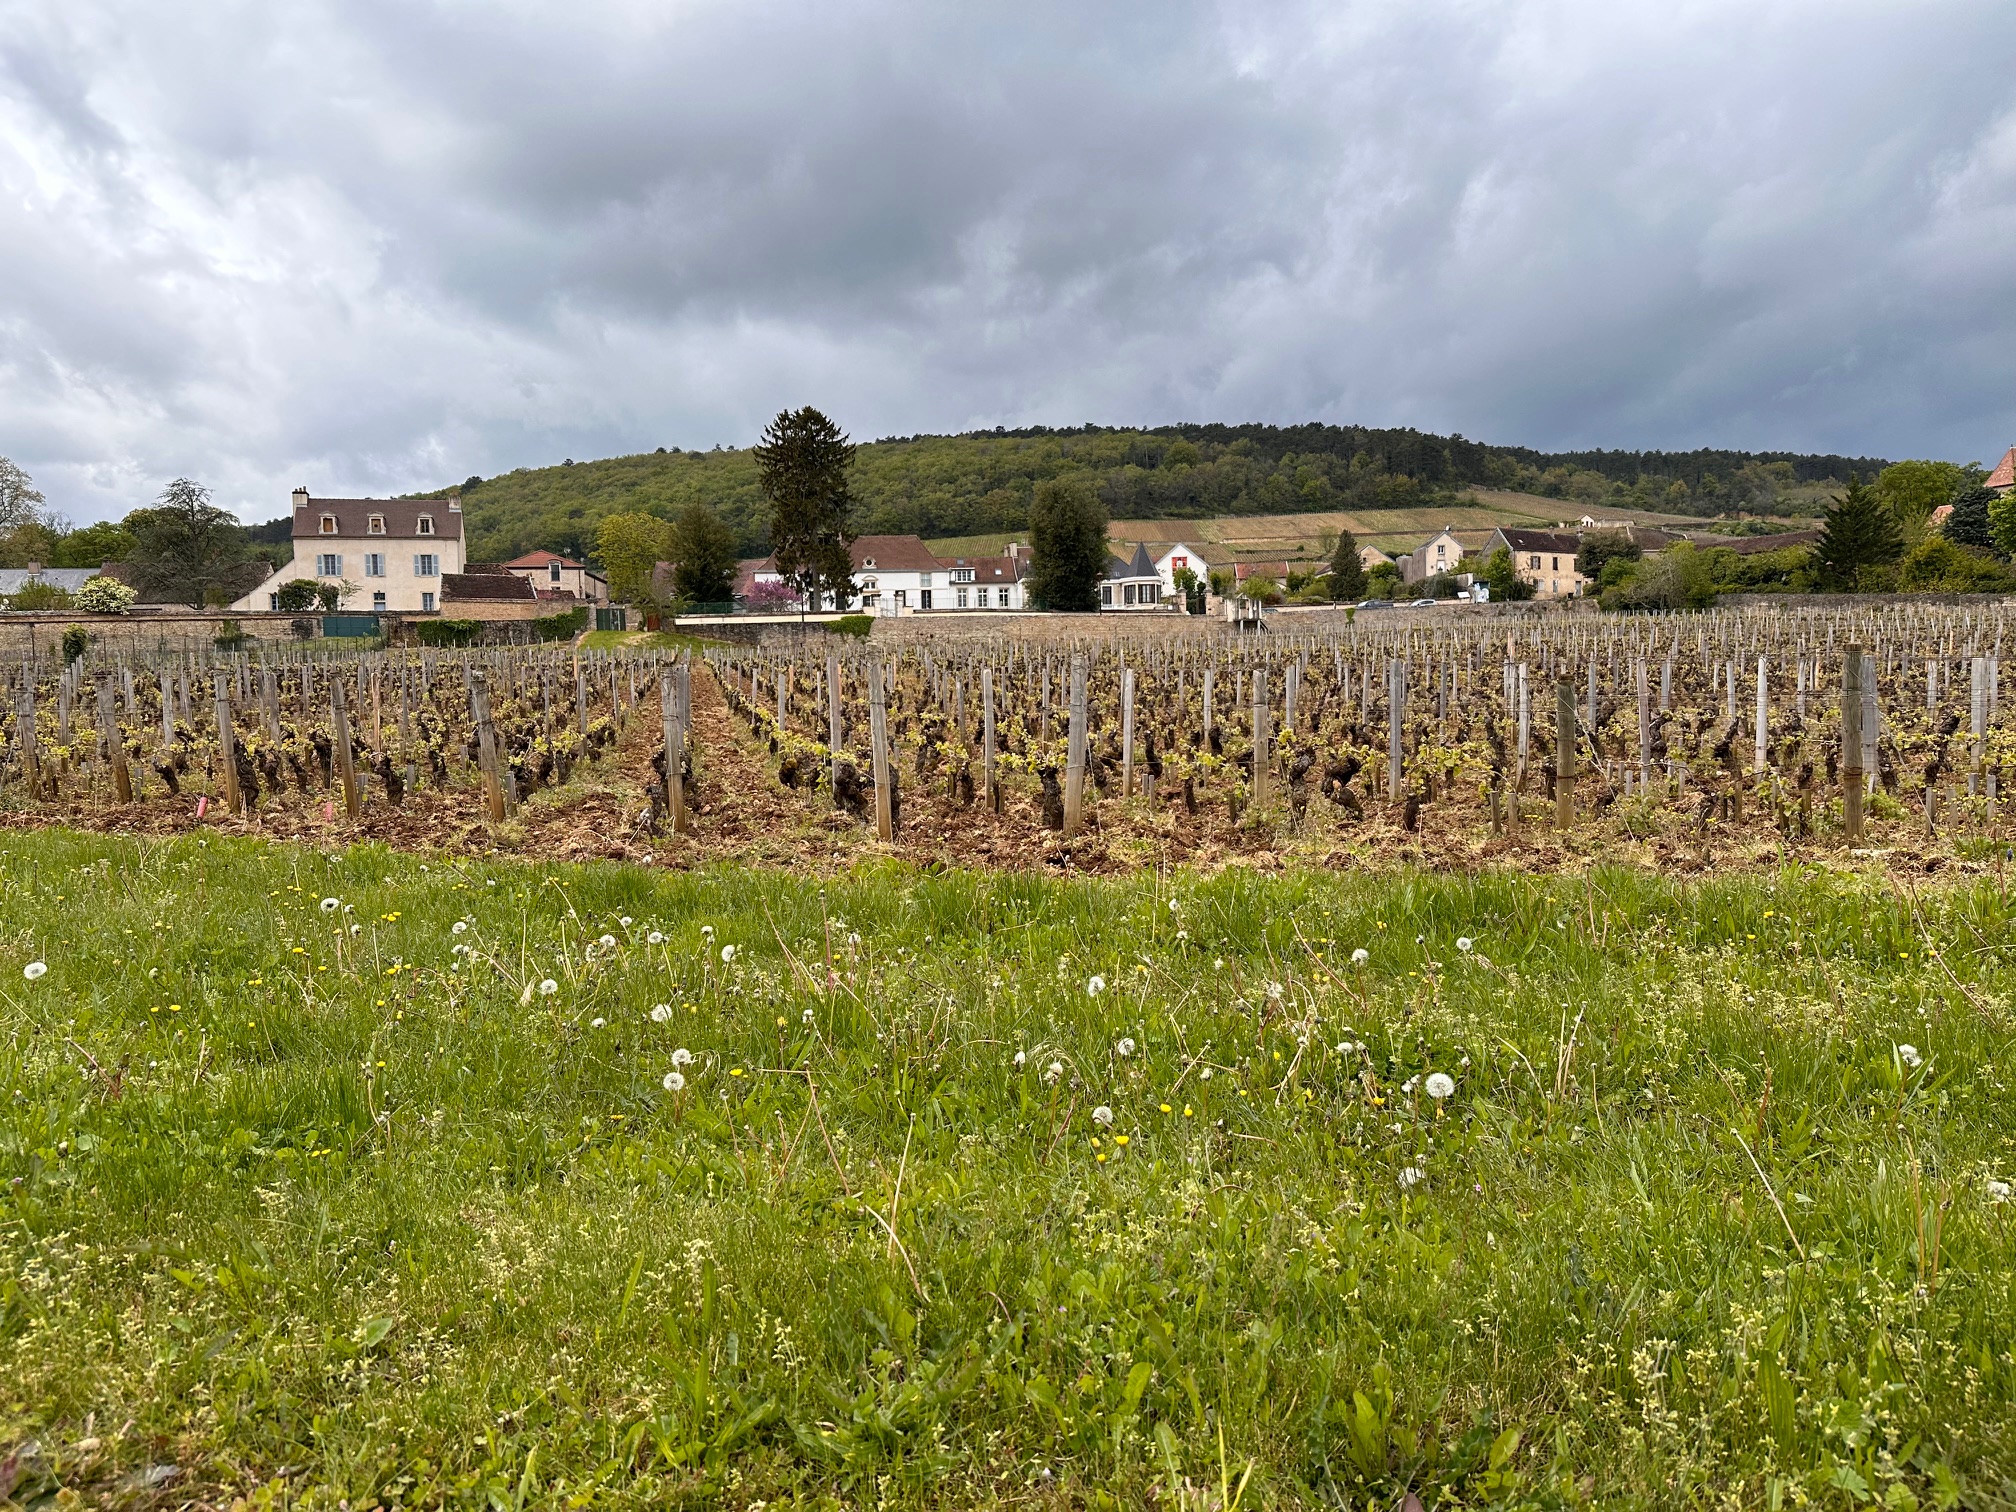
374 245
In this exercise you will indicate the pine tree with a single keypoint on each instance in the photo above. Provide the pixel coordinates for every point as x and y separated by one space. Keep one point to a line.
1347 571
704 553
1067 545
1860 533
1968 525
802 461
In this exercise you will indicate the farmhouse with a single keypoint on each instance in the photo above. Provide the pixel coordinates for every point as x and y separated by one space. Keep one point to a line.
1441 553
554 576
1173 557
392 552
988 582
1544 558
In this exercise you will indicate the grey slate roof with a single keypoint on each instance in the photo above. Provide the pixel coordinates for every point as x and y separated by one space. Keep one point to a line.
69 579
1142 566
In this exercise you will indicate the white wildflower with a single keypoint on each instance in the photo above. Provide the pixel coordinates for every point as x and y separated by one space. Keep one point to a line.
548 987
661 1013
1274 991
624 921
1440 1085
1465 944
656 937
597 1023
460 926
1205 1074
607 942
1021 1057
1998 1191
807 1016
1360 956
1103 1116
1095 986
34 970
682 1056
1910 1056
330 905
1412 1176
1054 1070
674 1082
1125 1048
727 954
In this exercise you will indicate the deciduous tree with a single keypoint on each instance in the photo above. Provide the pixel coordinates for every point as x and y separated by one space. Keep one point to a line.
629 546
186 549
1067 546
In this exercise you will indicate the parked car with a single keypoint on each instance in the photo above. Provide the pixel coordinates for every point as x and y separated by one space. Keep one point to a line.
1376 604
1423 604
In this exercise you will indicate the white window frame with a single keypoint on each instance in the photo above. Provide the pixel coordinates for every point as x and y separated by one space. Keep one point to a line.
424 526
427 603
329 524
378 601
375 525
426 564
329 564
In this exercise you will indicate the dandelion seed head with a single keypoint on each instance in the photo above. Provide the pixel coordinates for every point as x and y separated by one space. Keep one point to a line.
1465 944
624 921
34 970
607 942
682 1056
1021 1057
1125 1047
1439 1085
597 1023
661 1013
1910 1056
673 1082
656 937
1095 986
330 905
1360 956
1103 1116
460 926
1412 1176
727 954
548 987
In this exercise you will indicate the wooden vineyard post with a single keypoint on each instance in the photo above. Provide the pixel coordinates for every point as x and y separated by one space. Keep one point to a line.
1074 753
1977 719
987 794
1209 674
1872 723
486 745
24 736
1396 718
836 728
878 736
1525 730
269 699
1261 732
167 711
1127 733
227 748
346 760
672 723
581 700
1851 743
1644 724
1762 735
110 744
1564 754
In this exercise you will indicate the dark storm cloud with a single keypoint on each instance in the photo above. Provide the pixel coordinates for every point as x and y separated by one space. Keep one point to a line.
378 246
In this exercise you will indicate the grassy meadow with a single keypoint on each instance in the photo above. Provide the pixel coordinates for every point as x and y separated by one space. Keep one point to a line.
356 1179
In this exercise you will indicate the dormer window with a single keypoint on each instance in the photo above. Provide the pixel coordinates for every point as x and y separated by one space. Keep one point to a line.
963 575
425 526
376 526
328 524
868 561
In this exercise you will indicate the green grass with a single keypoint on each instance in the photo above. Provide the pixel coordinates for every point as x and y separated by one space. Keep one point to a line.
319 1211
641 640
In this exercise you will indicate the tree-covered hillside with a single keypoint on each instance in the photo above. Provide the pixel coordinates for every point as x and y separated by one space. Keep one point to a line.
983 481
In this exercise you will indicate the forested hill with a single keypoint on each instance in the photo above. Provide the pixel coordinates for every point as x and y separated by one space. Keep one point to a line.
982 481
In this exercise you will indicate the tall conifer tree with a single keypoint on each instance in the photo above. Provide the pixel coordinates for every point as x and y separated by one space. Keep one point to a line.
802 461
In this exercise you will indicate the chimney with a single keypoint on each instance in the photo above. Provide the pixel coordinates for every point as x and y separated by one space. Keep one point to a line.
34 569
300 498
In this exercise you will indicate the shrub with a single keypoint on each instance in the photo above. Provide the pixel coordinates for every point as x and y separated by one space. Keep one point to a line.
76 641
36 594
553 627
229 636
104 595
448 632
857 625
298 594
1938 565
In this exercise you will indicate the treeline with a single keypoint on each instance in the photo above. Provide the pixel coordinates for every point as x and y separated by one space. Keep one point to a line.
984 481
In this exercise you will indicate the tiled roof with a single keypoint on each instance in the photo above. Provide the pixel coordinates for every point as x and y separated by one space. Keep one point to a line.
402 517
986 569
1567 543
485 585
541 559
1751 545
2004 476
893 553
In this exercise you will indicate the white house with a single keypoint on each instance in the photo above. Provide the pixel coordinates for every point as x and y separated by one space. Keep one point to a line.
893 574
1131 583
987 582
1176 556
393 552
